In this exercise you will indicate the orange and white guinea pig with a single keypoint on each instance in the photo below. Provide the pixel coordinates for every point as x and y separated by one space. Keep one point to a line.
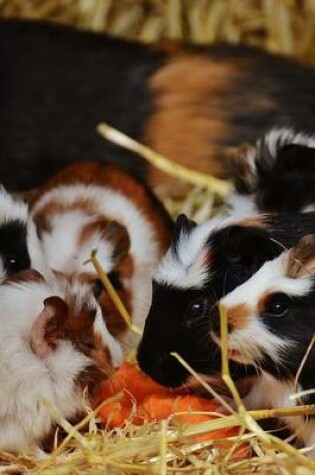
90 206
53 344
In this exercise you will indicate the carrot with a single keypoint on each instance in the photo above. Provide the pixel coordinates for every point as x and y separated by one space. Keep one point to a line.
142 400
131 378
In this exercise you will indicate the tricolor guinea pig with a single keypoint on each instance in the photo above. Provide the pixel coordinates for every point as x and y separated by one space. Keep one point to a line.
53 345
203 264
271 323
190 103
277 174
91 206
20 248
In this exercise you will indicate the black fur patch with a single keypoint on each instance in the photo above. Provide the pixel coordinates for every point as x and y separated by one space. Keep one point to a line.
286 183
13 246
235 255
53 96
57 84
182 225
168 330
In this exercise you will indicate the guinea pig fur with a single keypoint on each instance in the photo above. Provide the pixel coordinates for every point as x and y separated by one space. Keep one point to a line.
90 206
20 247
189 103
52 345
203 264
271 322
277 174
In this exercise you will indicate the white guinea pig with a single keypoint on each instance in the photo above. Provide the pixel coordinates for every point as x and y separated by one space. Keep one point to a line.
53 344
271 323
91 206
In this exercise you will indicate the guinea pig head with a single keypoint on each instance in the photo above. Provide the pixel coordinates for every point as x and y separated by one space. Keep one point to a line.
199 268
278 172
77 318
271 316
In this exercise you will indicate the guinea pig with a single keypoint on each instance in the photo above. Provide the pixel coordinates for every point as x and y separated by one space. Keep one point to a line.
277 174
271 323
53 345
90 206
20 248
203 264
190 103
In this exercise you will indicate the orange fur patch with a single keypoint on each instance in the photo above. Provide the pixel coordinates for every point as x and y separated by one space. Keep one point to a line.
254 222
189 117
238 316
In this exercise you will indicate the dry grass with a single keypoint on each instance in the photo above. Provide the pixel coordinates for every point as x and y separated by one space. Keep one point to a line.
286 26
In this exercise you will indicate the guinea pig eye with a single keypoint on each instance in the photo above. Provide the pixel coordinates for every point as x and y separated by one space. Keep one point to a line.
12 264
278 305
196 309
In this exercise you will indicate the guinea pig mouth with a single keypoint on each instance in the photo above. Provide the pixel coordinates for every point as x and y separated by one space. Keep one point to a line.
234 352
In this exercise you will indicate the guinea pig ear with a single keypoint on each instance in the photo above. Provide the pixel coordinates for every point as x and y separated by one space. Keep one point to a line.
301 260
49 326
118 234
297 157
248 246
183 225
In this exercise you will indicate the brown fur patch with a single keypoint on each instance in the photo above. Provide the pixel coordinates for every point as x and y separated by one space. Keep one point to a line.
28 275
302 258
254 222
43 218
262 303
90 173
189 117
109 230
242 169
238 316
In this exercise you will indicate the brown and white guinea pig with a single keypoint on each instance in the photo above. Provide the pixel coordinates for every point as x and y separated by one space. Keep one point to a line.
20 247
190 103
53 345
203 264
271 322
92 206
277 174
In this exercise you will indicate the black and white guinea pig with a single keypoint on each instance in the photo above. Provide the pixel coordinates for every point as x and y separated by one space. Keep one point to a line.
53 345
271 322
203 264
189 103
90 206
277 174
20 248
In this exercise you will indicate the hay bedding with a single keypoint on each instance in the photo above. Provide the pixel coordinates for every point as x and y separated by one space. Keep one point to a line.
286 26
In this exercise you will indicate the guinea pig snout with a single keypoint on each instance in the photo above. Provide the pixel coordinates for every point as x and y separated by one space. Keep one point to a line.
162 367
215 321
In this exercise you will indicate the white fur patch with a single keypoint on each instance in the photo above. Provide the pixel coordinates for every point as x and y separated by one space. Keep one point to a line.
268 279
255 339
268 392
11 208
186 268
63 252
24 378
